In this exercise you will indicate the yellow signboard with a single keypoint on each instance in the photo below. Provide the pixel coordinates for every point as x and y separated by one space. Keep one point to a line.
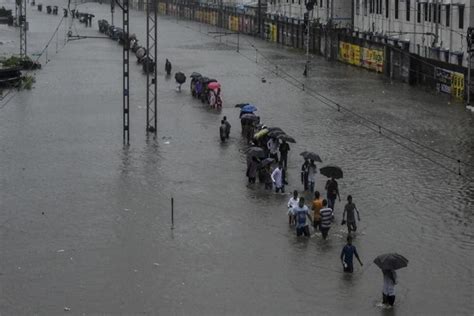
361 56
457 85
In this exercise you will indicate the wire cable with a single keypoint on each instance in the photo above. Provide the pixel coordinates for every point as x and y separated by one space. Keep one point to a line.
374 126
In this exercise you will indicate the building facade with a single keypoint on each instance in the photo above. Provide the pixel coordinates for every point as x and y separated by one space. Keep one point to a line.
434 29
340 11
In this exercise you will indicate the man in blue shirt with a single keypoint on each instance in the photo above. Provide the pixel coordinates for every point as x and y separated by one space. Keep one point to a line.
347 254
301 212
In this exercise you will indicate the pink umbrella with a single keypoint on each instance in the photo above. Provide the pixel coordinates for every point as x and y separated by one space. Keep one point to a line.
214 85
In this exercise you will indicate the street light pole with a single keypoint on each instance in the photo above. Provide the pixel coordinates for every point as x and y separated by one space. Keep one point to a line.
259 17
469 78
112 9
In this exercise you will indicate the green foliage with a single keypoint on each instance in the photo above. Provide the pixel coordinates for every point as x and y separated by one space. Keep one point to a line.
27 82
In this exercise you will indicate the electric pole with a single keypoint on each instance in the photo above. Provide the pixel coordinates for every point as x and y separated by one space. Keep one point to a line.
308 17
151 74
23 24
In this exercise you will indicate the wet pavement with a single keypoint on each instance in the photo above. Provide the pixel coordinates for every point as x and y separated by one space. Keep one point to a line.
85 222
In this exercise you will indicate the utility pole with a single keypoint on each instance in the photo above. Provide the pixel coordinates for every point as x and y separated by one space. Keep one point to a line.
259 17
308 17
112 9
23 24
126 74
151 74
470 42
437 19
469 78
331 30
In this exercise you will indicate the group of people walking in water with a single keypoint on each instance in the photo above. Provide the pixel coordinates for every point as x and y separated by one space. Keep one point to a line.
320 212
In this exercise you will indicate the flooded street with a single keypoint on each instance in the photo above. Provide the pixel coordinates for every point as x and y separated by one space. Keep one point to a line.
85 222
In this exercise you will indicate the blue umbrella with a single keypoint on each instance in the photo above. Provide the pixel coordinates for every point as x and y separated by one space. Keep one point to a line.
249 108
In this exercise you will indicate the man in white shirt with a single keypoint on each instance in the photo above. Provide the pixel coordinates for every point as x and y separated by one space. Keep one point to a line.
292 203
277 179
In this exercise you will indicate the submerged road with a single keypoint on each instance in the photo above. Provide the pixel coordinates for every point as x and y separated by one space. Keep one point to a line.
85 222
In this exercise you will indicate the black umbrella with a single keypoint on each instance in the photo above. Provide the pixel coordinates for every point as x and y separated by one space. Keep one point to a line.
275 133
255 151
241 105
331 172
249 116
195 75
180 77
391 261
266 162
286 138
311 155
271 129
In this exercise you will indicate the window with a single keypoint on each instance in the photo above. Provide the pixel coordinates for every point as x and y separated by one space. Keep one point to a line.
396 9
321 3
418 14
408 9
387 7
425 11
357 7
435 13
429 12
365 7
439 13
461 16
376 6
448 14
371 6
327 4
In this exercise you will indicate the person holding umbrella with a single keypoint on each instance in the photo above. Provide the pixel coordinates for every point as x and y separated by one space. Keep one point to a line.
304 173
332 189
180 79
347 254
390 262
388 291
284 149
312 170
252 170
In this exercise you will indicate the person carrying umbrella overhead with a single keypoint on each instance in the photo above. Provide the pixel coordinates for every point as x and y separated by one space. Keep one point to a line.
305 173
390 262
284 149
312 171
180 79
332 189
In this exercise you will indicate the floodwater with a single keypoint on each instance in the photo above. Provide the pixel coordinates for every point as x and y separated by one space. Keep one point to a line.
85 222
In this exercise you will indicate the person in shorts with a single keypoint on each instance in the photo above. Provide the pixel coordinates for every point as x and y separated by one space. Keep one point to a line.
350 210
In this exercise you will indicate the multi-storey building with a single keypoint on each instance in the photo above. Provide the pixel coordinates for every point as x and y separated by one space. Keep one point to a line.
433 29
339 11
